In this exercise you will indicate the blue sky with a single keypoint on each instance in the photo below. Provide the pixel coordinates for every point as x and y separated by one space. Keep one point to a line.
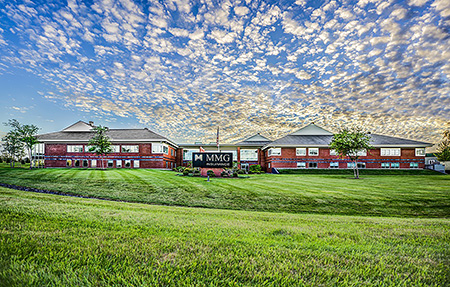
183 68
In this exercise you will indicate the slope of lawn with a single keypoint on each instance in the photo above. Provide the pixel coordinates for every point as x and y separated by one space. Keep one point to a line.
380 195
50 240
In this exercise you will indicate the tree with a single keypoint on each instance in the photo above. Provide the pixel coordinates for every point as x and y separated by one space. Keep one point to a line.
443 150
13 147
26 134
100 143
350 142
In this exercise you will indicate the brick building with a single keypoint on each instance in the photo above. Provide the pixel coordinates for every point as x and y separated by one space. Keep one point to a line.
305 148
132 148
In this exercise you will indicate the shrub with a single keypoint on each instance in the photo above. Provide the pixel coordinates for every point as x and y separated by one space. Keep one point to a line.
22 161
187 171
210 173
27 160
196 172
256 168
1 160
8 160
235 174
241 171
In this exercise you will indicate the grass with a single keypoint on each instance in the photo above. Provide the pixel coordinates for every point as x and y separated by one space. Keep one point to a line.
66 241
375 195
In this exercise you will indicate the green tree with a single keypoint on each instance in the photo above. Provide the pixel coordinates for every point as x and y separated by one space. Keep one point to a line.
443 150
349 142
13 147
100 143
26 134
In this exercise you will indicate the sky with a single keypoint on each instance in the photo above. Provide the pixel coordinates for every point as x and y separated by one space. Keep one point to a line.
183 68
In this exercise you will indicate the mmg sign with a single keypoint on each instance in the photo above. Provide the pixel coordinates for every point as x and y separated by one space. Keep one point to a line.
212 159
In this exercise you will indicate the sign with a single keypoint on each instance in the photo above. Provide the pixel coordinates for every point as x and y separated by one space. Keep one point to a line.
212 159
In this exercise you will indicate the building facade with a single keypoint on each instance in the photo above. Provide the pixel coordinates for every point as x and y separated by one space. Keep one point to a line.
307 148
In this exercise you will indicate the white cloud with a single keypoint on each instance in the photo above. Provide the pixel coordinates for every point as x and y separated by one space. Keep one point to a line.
241 10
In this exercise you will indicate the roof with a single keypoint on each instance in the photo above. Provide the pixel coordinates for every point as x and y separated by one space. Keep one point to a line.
73 134
312 130
255 140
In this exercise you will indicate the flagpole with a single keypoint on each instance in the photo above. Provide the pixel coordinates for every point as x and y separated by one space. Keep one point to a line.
218 149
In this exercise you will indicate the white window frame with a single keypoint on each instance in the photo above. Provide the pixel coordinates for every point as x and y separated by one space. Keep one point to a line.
94 163
160 148
385 165
360 153
110 161
187 153
275 151
334 164
115 148
390 152
300 151
350 165
127 161
118 163
136 164
130 148
309 165
420 151
249 154
395 165
313 149
414 165
333 152
301 164
75 148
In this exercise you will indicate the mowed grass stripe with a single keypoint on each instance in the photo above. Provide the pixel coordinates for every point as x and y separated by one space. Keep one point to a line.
379 195
64 241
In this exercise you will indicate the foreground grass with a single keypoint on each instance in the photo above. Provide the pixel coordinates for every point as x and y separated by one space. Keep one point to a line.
66 241
380 195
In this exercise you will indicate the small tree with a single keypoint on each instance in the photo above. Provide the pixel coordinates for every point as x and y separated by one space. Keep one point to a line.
26 134
349 142
443 150
13 147
100 143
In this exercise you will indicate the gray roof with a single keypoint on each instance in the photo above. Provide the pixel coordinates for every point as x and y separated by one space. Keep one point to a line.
255 140
324 140
116 135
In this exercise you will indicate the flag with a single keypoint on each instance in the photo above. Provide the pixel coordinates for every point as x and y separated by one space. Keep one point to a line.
217 139
202 149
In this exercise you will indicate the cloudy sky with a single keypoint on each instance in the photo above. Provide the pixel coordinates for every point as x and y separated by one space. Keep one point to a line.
183 68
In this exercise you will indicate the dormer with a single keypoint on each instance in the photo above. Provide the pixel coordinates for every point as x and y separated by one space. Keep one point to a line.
80 126
312 130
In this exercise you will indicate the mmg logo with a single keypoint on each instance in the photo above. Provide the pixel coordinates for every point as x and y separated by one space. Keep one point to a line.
212 159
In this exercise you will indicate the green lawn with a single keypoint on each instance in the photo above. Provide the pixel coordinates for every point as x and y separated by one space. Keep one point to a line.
378 195
66 241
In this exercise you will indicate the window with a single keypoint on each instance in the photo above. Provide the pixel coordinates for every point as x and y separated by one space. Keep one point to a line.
390 151
395 165
74 148
333 152
127 163
300 151
171 152
361 165
350 165
334 165
160 148
313 151
85 163
420 152
118 163
249 154
312 165
384 165
115 148
187 153
38 149
275 151
69 163
86 148
136 164
301 164
110 163
414 165
77 163
361 153
130 148
94 163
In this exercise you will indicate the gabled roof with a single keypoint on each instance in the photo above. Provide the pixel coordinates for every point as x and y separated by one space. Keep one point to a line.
312 130
79 126
72 134
255 140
